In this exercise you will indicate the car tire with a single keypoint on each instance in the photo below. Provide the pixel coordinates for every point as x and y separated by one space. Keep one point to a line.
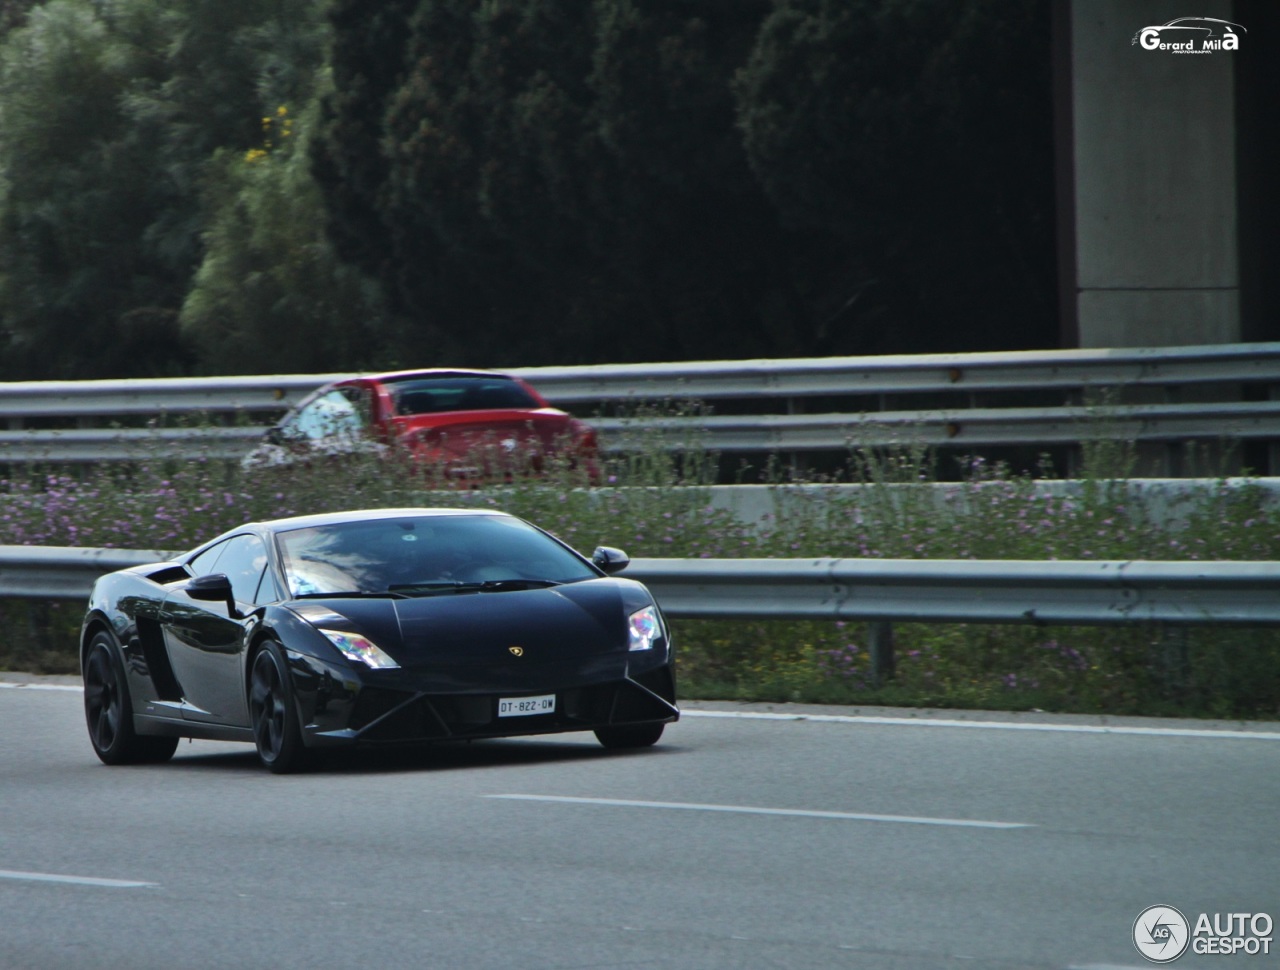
108 710
630 735
273 715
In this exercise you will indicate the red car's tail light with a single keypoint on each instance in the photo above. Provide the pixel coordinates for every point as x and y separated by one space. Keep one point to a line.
586 442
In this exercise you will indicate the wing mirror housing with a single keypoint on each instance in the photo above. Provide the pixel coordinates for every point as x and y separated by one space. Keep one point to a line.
215 588
610 560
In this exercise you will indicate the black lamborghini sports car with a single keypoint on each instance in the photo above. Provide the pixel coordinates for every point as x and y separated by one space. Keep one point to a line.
396 625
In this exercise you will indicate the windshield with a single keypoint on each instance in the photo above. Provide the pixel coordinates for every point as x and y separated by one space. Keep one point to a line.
425 554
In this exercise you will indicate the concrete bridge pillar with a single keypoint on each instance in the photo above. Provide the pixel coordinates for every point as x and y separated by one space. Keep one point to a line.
1148 189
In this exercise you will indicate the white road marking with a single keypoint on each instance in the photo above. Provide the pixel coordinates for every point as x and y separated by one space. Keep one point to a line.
987 725
751 810
76 688
76 880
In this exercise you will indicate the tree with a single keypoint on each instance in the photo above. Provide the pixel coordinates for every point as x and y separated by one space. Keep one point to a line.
670 180
554 165
270 292
915 132
113 116
13 13
74 298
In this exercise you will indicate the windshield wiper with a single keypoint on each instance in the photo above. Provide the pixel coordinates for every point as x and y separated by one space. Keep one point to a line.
458 586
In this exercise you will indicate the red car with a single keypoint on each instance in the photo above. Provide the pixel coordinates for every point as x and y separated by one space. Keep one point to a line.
467 424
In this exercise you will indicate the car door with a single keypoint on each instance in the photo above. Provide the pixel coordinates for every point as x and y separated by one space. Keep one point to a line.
206 641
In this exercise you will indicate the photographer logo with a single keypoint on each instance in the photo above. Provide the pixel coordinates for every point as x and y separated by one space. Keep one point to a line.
1191 35
1161 934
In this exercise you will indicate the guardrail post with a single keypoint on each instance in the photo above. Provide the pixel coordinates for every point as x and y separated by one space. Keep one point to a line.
880 647
1273 445
1173 659
794 406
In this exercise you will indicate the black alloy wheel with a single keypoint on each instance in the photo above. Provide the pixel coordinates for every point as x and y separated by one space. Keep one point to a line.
108 712
630 735
272 712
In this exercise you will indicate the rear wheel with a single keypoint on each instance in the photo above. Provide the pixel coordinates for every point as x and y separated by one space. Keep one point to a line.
108 712
630 735
272 711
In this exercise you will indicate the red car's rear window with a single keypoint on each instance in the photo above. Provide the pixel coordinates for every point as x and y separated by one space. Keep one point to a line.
431 395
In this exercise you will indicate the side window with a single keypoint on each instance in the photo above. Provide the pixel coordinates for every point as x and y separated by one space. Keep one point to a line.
328 416
268 591
244 561
202 565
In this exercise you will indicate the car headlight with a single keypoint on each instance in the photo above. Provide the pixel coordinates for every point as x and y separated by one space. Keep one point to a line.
356 647
644 629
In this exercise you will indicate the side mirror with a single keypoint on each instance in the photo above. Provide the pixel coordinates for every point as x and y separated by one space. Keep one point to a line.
610 560
215 589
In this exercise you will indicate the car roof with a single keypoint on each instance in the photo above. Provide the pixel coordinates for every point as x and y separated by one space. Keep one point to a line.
390 377
363 515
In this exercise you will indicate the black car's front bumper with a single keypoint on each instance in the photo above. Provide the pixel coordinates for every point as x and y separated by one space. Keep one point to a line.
340 706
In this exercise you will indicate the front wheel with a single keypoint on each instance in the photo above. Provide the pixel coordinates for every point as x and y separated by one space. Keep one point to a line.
108 712
630 735
272 711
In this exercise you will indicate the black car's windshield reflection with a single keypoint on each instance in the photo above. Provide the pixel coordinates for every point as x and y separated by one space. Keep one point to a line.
424 557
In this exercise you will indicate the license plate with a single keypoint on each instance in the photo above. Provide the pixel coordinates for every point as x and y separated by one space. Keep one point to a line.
524 706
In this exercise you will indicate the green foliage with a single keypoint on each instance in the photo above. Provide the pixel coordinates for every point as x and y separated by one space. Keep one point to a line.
915 133
13 13
1133 671
78 293
723 179
114 117
657 180
270 279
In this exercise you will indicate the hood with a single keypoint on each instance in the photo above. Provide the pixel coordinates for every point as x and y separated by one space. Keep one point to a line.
562 623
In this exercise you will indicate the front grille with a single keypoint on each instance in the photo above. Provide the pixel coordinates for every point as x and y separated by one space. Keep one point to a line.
461 716
374 702
661 681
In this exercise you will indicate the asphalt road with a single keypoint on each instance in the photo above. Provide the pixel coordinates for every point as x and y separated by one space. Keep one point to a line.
898 843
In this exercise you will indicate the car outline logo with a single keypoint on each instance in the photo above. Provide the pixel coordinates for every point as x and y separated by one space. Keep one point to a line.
1178 24
516 651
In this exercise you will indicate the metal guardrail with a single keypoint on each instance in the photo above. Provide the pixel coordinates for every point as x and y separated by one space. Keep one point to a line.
746 433
93 403
62 572
84 445
1082 593
154 396
915 373
914 590
977 426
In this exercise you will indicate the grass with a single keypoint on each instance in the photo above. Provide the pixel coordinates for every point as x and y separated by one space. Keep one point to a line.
989 513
